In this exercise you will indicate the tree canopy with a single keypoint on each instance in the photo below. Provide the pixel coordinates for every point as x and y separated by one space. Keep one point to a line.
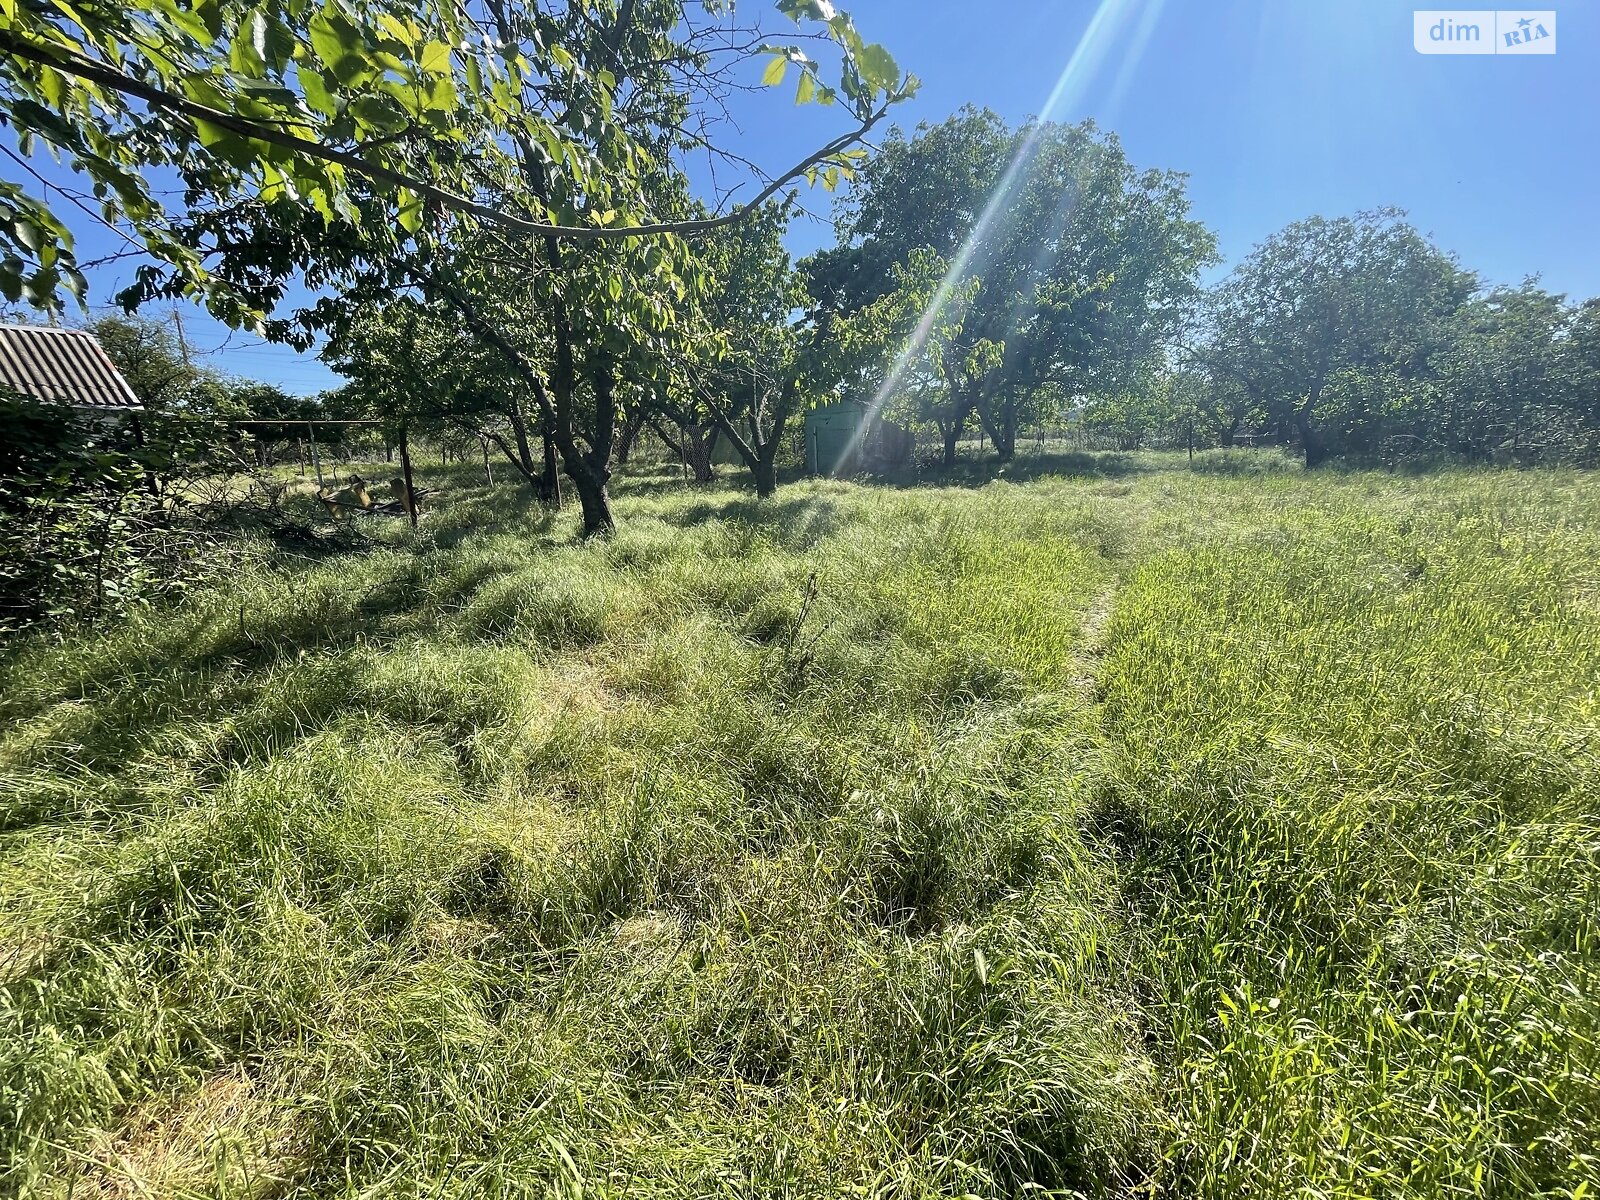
386 117
1073 267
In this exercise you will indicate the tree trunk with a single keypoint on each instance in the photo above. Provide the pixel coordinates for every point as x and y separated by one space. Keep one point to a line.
952 436
519 426
697 445
765 471
1001 426
410 498
630 432
593 499
760 453
590 471
550 481
1005 441
1311 443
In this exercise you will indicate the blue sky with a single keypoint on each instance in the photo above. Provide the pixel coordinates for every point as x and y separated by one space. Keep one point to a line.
1276 109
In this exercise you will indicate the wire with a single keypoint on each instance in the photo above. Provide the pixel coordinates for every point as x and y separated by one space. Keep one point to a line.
174 416
70 198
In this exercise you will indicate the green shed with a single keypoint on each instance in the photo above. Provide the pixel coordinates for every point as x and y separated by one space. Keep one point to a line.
843 437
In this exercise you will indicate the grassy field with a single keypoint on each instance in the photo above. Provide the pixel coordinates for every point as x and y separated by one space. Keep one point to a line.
1129 832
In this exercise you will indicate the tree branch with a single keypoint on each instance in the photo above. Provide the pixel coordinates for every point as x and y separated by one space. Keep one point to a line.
88 69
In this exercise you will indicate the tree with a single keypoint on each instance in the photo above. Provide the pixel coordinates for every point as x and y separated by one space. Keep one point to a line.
148 355
747 376
327 104
563 150
1224 405
75 516
412 365
903 354
1160 404
1332 302
1583 380
253 398
1502 385
1083 265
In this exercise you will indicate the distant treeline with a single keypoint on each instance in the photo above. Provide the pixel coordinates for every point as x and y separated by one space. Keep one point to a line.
1006 279
1033 275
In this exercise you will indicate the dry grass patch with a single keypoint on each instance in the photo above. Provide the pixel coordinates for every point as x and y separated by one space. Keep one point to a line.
232 1135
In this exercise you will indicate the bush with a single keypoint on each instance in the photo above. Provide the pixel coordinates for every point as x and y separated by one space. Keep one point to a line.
76 521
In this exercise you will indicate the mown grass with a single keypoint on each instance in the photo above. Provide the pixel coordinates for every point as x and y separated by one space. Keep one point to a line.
830 846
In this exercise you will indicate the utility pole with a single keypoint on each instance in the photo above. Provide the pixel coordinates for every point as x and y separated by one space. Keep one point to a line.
405 471
315 457
183 342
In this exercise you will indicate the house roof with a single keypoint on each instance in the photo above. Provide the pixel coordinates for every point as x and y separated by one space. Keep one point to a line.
66 366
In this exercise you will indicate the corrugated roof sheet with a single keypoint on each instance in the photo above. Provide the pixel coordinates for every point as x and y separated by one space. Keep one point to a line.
63 365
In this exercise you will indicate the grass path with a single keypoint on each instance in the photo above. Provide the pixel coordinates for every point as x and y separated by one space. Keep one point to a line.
1092 642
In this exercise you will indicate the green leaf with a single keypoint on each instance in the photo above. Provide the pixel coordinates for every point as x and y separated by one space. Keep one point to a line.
248 55
409 211
807 89
441 101
224 143
435 59
406 32
380 113
328 38
11 278
776 70
29 234
318 95
803 10
878 67
339 46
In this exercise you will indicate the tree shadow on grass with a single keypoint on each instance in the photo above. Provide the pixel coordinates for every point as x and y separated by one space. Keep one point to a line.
795 522
1027 467
213 662
968 472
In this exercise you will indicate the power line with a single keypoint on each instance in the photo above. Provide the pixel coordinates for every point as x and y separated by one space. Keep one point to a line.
70 198
171 416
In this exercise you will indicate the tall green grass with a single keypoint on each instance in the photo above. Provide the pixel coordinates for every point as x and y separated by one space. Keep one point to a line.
1352 775
833 845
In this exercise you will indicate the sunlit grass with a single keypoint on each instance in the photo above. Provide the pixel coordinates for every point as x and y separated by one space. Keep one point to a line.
805 847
